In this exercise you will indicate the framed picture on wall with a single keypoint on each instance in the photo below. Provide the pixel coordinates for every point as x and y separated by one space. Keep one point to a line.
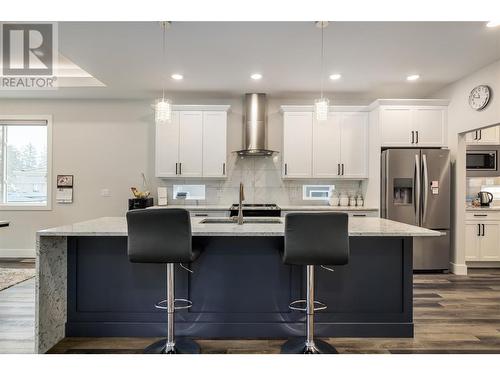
64 180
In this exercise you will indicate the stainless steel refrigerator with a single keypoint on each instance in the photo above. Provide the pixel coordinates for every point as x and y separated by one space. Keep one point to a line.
416 190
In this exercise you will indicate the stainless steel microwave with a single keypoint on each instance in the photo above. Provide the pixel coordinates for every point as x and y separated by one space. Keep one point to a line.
482 161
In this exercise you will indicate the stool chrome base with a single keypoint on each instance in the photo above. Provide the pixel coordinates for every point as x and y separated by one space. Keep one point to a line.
298 346
182 346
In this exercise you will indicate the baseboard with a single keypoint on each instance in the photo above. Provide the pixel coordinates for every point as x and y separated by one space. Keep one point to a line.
458 269
17 253
488 264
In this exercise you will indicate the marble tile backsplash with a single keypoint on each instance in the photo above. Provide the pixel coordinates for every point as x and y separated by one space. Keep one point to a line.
262 180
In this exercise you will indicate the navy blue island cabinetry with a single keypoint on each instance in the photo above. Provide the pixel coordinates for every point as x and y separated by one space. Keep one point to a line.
239 288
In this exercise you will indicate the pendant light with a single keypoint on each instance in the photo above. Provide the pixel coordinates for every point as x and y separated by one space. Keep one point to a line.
163 106
321 105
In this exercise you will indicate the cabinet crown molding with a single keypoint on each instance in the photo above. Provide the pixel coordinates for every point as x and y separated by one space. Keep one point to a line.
409 102
201 107
333 108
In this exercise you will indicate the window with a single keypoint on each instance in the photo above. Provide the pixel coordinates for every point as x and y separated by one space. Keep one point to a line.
317 192
189 192
24 163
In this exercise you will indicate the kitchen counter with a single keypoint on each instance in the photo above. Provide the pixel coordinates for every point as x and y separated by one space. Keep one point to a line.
209 207
492 208
362 226
327 208
240 288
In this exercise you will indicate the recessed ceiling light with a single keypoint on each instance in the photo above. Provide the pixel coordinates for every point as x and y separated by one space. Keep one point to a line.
256 76
335 76
177 76
412 77
493 24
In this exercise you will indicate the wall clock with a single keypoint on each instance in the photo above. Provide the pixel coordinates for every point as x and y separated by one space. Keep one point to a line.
479 97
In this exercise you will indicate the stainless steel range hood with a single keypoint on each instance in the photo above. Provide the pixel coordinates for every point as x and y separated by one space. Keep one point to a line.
255 127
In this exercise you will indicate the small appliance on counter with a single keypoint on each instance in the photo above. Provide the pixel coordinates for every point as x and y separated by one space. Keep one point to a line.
485 198
139 203
141 200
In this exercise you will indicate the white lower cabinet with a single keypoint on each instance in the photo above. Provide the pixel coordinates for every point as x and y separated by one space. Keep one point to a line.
482 240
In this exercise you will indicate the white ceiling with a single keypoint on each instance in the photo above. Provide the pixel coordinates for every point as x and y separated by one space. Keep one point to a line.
217 58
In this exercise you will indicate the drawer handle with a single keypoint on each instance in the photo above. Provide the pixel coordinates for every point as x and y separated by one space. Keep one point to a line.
200 215
480 215
359 215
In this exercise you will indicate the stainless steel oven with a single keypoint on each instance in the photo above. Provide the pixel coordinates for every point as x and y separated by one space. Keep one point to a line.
482 161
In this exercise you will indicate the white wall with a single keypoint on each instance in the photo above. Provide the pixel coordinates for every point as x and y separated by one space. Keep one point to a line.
106 144
461 118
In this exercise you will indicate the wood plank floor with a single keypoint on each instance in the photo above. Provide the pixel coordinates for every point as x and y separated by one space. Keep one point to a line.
453 314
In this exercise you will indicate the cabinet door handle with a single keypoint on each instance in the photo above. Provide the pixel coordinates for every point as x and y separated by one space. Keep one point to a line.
480 134
176 168
479 229
286 169
342 169
483 229
412 137
180 168
338 169
223 168
475 135
417 137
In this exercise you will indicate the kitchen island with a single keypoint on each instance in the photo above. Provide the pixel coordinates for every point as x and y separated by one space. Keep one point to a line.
86 286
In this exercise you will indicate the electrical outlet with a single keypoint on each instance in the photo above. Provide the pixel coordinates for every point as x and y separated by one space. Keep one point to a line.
105 193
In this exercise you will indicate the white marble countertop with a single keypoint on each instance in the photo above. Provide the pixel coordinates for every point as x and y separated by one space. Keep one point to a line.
193 207
491 208
283 208
327 208
364 226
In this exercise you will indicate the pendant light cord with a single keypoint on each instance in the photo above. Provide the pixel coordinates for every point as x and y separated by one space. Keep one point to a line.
322 57
164 59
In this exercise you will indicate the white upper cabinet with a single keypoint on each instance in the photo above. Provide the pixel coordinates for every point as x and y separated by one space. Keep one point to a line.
430 126
335 148
193 144
297 144
326 147
214 143
190 143
354 144
395 126
488 136
167 147
413 126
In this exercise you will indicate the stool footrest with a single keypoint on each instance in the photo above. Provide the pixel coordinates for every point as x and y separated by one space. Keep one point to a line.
293 305
162 305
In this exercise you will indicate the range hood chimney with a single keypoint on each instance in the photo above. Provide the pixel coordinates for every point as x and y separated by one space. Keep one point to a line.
255 127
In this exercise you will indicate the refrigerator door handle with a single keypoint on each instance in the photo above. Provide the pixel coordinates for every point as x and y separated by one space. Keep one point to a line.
425 187
416 188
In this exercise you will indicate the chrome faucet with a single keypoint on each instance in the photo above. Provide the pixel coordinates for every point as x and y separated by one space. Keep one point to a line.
240 205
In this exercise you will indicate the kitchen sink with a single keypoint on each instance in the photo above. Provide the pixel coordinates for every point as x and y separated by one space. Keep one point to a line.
246 220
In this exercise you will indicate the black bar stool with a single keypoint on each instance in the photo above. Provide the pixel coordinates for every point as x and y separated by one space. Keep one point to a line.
164 236
314 239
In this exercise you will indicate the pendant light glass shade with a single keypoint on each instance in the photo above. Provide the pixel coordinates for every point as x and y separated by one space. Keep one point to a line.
163 111
321 109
